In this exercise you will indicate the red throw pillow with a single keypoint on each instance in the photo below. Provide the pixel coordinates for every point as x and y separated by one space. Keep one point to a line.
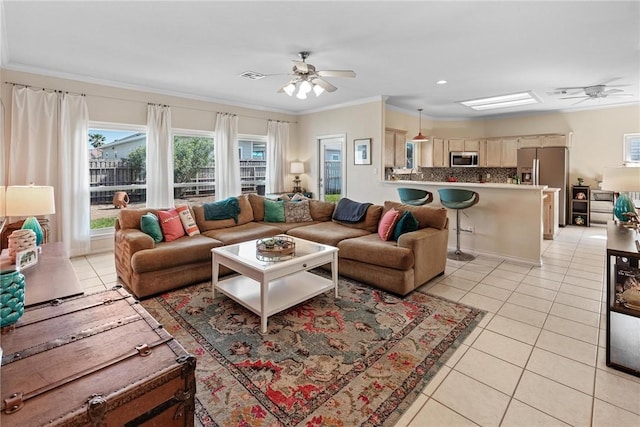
388 224
170 224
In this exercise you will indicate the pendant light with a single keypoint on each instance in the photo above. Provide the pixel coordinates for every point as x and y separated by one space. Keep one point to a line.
420 137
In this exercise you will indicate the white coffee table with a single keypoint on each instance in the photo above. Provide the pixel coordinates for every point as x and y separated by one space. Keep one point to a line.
269 287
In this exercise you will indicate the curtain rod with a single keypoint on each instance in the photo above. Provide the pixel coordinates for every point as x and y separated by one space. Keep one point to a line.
142 102
44 88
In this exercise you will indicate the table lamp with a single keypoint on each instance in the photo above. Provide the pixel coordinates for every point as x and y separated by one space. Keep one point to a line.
296 169
622 180
29 201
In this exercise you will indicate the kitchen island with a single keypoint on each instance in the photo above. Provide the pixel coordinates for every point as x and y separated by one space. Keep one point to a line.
506 222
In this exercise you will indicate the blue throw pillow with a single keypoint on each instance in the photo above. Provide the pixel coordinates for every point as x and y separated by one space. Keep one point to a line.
222 209
150 225
406 223
274 210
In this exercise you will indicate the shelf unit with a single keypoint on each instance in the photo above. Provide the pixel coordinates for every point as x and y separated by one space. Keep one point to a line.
623 322
580 200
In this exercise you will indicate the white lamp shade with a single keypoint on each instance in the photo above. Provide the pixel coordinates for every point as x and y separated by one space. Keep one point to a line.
2 204
622 179
297 168
29 200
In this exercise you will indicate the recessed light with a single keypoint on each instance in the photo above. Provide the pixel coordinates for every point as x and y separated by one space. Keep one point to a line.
441 82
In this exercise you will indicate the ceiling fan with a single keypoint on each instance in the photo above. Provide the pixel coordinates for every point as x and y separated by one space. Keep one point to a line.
597 91
306 78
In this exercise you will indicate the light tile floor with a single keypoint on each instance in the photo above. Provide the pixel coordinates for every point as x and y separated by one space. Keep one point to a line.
537 357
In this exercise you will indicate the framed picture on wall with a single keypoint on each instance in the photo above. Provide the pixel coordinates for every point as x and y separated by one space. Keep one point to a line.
362 151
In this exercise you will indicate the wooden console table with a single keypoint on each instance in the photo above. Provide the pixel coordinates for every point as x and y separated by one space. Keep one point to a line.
51 278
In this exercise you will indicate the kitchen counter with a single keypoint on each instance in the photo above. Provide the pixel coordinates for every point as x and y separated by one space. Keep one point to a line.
472 185
507 222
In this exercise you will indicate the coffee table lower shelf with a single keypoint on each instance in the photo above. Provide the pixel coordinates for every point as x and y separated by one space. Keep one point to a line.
283 293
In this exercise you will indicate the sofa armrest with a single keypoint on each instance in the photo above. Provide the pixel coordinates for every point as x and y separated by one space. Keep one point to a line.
429 247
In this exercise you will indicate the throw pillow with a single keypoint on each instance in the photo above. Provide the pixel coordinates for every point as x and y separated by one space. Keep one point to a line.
188 223
297 211
406 223
223 209
388 223
170 224
274 210
298 196
149 225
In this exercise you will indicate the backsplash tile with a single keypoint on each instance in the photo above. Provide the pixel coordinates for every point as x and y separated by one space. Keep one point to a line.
495 175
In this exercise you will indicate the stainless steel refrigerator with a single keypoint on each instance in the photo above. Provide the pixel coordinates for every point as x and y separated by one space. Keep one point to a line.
546 166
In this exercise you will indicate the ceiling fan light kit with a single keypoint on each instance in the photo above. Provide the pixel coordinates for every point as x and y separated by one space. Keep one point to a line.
306 79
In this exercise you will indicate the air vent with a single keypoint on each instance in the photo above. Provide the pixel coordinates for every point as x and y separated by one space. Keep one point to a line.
253 75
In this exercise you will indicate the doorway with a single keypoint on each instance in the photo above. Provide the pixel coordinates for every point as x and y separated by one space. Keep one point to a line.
332 167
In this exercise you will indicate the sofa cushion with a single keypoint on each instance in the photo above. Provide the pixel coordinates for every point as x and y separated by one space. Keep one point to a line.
370 221
188 223
371 249
245 216
150 225
406 224
243 233
257 205
427 216
274 211
328 233
388 223
170 224
297 211
321 210
181 252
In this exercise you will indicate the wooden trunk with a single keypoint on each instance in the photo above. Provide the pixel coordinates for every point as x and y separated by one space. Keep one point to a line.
96 360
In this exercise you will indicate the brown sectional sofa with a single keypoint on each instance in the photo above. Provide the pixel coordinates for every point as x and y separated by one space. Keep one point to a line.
148 268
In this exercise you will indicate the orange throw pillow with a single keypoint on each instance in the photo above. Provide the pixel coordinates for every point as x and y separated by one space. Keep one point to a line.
170 224
388 224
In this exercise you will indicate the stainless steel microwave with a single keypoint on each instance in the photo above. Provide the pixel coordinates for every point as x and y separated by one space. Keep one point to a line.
465 159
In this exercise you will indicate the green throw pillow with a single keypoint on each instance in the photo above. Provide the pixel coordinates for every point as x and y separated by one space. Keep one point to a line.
406 223
273 211
150 225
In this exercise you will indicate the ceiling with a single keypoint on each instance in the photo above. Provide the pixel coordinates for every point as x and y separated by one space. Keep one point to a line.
398 49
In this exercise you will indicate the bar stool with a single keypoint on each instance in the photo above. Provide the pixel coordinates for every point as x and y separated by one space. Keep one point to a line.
456 198
414 196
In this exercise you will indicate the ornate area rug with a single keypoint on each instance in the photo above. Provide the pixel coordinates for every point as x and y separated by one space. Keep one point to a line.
361 359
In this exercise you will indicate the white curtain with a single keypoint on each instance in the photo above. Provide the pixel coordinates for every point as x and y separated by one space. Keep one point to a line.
227 157
277 143
159 157
73 190
48 146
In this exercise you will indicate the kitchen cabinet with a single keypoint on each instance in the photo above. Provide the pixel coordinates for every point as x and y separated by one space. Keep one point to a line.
456 145
509 155
492 153
440 153
550 217
472 145
623 312
395 148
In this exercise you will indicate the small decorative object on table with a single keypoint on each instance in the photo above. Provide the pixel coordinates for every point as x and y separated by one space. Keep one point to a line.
11 297
581 196
20 240
580 182
275 248
26 258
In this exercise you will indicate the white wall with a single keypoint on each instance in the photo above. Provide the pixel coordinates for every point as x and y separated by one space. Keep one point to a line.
356 121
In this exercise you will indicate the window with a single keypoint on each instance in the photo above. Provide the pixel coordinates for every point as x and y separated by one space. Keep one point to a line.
193 168
632 149
117 165
253 163
411 154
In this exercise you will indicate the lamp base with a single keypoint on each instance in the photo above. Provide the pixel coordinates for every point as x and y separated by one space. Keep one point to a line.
32 224
623 205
